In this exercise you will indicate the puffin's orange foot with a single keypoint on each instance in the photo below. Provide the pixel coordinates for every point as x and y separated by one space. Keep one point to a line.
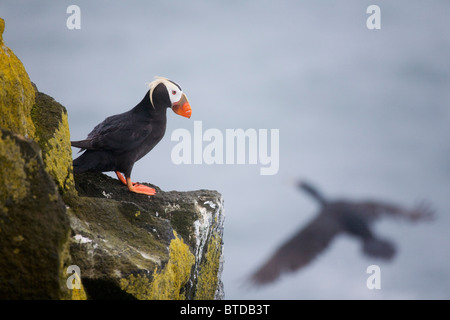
140 188
135 187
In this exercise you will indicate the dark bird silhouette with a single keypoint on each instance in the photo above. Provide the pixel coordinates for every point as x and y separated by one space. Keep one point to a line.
121 140
334 218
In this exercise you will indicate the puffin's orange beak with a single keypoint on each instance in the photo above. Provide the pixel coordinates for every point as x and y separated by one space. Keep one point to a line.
182 107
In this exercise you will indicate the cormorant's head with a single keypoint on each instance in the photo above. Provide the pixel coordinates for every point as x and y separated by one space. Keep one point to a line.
167 92
312 191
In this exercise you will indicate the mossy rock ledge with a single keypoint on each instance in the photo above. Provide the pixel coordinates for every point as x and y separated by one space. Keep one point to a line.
56 226
167 246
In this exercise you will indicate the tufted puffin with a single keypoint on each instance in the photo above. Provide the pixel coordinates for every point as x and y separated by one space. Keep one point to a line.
122 139
334 218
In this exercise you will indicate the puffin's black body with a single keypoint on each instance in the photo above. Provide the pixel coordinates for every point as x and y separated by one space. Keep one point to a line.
121 140
334 218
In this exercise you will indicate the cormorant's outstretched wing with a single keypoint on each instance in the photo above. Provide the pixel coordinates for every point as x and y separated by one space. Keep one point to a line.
374 210
299 250
116 133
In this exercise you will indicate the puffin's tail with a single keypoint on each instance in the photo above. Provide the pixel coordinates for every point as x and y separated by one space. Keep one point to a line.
82 144
309 189
90 160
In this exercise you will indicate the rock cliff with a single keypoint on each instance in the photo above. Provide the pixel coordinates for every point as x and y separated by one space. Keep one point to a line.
85 236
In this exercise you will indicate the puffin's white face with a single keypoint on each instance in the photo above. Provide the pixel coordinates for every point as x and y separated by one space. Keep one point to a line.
175 93
179 102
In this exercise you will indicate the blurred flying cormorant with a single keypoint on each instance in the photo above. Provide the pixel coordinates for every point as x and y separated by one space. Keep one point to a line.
335 217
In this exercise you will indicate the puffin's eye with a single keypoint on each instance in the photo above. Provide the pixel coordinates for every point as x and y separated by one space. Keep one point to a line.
174 92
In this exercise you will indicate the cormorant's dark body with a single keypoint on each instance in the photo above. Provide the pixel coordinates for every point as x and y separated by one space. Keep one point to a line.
121 140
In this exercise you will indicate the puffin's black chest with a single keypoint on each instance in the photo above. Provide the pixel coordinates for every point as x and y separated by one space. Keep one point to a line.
158 130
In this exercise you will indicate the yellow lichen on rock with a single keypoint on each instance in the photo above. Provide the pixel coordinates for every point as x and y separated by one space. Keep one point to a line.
58 162
16 94
209 270
79 294
2 27
138 286
53 136
167 284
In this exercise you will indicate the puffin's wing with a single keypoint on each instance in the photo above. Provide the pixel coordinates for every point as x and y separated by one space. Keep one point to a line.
301 249
117 133
373 210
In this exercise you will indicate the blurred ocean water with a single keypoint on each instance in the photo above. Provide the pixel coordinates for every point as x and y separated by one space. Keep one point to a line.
362 113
